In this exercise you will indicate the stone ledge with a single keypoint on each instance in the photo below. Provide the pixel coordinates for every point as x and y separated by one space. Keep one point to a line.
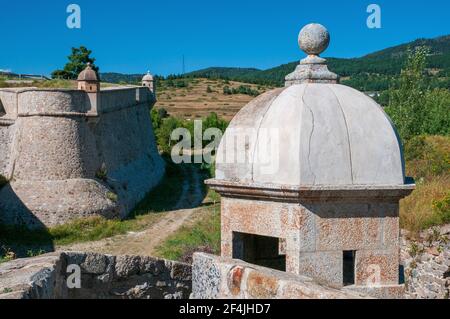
220 278
295 194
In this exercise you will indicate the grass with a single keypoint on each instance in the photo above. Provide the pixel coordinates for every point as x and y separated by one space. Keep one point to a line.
49 84
201 235
428 161
161 199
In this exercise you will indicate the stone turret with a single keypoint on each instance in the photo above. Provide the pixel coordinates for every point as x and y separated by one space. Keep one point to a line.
148 81
88 80
314 189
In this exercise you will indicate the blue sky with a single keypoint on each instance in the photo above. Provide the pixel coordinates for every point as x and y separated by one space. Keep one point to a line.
136 35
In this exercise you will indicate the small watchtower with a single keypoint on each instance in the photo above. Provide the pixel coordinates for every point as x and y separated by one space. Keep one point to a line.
311 176
88 80
148 81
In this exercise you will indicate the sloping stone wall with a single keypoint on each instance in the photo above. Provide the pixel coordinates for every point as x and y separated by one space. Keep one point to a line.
71 154
102 277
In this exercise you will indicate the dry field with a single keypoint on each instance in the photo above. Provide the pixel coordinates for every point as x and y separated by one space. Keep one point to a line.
194 101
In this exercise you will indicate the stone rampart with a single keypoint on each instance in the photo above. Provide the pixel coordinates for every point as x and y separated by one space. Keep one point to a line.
72 154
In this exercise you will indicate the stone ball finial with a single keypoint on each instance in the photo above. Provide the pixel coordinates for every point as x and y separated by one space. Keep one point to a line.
314 39
148 77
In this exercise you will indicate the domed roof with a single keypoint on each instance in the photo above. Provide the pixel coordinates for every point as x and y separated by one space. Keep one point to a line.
147 77
314 132
88 74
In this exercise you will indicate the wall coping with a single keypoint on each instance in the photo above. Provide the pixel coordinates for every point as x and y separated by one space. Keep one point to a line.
289 193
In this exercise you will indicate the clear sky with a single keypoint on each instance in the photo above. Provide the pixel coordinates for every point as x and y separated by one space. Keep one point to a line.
133 36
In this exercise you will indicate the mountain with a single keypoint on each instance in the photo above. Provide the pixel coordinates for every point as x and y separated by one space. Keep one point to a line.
377 67
372 72
111 77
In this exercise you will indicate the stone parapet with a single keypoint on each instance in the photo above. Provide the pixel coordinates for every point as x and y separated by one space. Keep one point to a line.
100 146
102 277
222 278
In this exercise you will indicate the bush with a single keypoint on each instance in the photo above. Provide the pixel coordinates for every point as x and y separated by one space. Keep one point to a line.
427 156
413 107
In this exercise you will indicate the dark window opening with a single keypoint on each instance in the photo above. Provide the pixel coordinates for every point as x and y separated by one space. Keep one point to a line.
259 250
349 267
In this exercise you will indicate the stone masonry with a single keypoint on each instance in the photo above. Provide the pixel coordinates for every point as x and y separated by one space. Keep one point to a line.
74 153
102 277
311 176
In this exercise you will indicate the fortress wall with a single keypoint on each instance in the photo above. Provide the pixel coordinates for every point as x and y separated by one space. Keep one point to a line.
40 102
129 153
8 99
63 141
51 148
6 140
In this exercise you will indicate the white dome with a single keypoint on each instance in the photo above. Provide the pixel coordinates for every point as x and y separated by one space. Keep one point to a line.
148 77
312 134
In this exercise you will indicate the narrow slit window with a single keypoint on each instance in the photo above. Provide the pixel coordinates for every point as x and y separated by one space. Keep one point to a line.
349 267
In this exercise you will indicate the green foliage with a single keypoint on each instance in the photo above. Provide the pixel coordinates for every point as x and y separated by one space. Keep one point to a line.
102 173
407 97
203 235
165 126
242 89
427 157
373 72
166 194
209 90
112 197
78 61
442 209
160 199
414 109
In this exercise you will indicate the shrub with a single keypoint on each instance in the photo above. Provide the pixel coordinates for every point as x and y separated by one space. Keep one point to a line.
427 156
3 181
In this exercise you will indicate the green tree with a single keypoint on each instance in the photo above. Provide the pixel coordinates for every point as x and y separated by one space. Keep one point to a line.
413 106
78 61
407 96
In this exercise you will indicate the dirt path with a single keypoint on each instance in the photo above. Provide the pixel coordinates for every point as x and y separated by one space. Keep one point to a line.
144 242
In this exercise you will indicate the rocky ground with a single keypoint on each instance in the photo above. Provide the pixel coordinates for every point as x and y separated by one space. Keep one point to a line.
426 261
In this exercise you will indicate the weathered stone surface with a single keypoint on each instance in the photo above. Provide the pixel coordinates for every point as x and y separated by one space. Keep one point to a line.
132 277
54 144
216 277
317 126
261 285
207 278
33 278
127 266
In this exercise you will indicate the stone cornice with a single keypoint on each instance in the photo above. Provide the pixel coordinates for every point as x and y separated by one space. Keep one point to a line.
294 194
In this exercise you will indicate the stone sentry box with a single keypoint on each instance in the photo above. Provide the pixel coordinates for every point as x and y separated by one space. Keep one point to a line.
314 186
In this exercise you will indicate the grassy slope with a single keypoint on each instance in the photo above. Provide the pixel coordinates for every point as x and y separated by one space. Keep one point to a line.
194 101
428 161
203 235
26 242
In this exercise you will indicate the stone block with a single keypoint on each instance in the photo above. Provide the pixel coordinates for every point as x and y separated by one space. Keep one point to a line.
377 267
325 267
261 285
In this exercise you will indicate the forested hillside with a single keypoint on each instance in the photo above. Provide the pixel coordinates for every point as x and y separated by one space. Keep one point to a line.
372 72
